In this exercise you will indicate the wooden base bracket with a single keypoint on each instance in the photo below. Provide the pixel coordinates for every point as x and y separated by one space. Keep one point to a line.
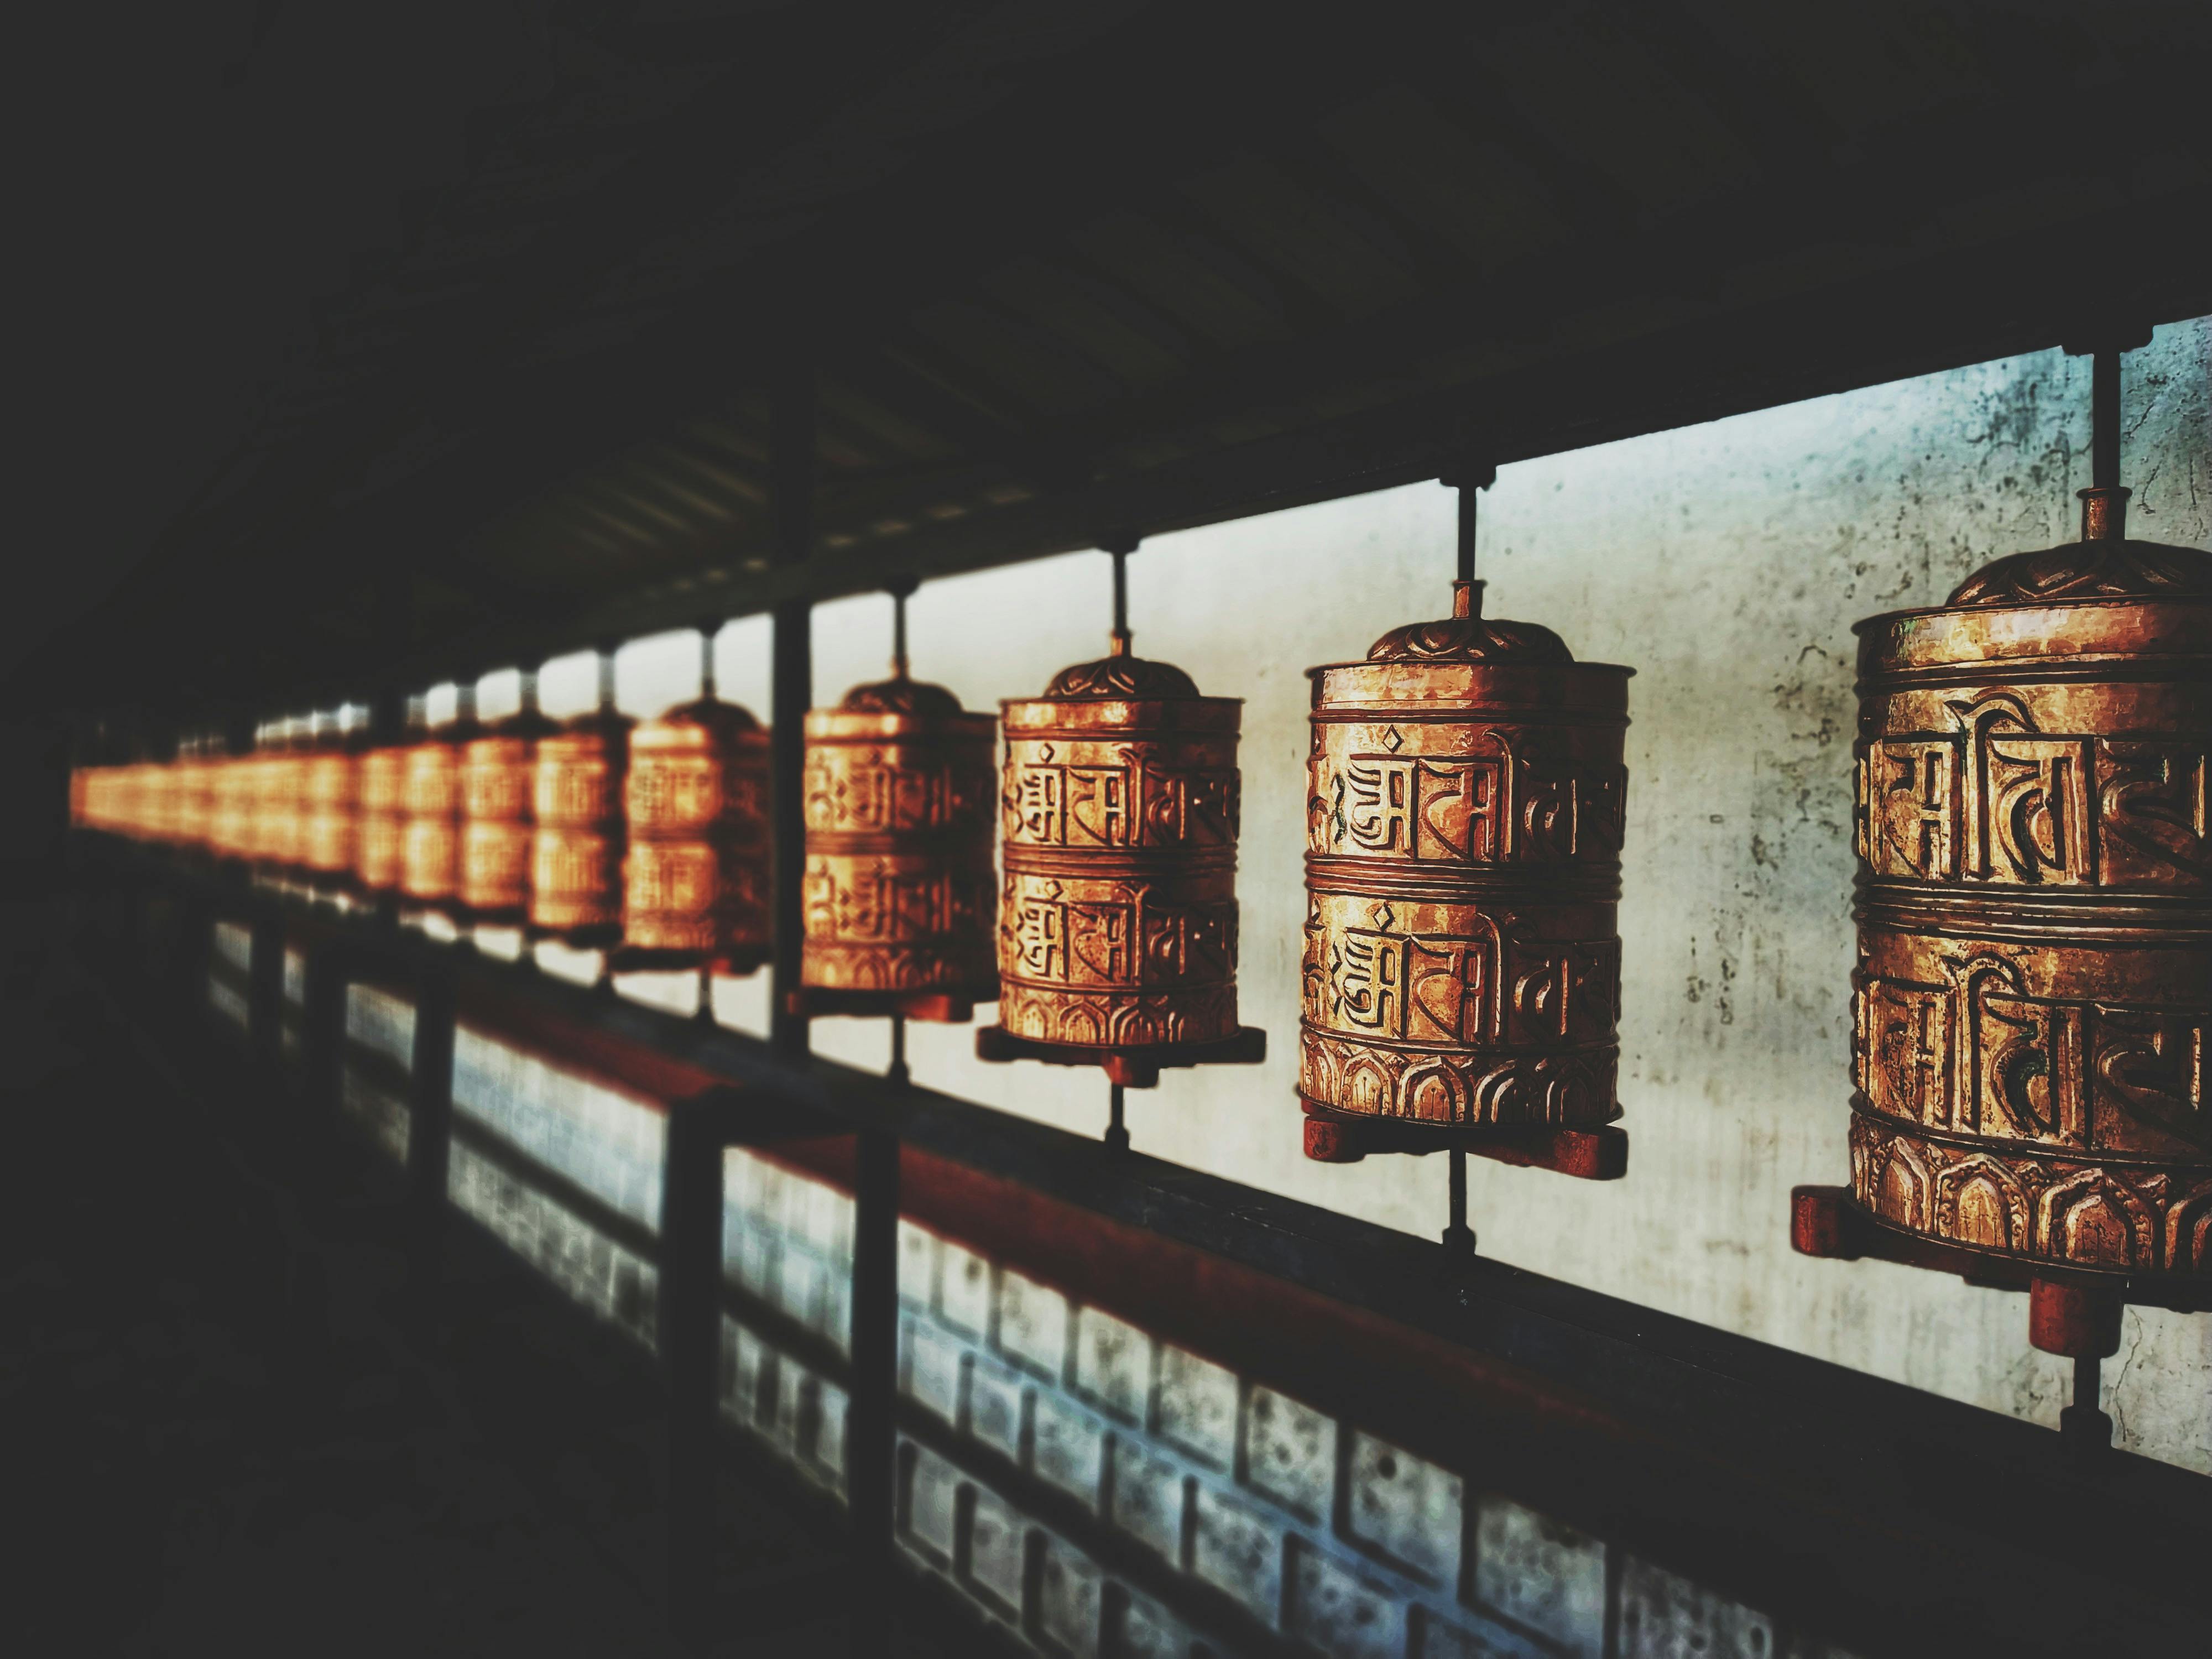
955 1006
1133 1067
1595 1154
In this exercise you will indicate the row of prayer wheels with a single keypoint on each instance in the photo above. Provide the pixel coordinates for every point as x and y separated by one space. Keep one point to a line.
2032 1004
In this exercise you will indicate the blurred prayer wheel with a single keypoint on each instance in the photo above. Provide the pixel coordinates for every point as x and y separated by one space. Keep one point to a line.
230 828
280 782
900 811
1464 816
430 861
196 782
576 851
2034 995
331 797
498 782
381 818
1117 912
694 874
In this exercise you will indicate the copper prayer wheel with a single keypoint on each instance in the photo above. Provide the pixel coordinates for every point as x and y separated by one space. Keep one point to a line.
1464 814
2034 995
381 818
430 792
195 773
577 850
230 829
696 872
1117 912
330 798
901 812
498 783
279 784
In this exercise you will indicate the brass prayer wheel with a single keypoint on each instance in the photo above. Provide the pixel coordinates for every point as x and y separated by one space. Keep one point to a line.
696 872
498 781
430 858
1117 913
900 811
381 818
1464 816
2033 994
576 849
279 784
330 797
230 828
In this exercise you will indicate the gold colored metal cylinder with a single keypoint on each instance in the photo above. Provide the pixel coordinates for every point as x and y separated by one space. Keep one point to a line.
230 832
576 849
900 811
1464 817
330 796
380 819
430 857
2032 1003
694 874
498 786
1117 912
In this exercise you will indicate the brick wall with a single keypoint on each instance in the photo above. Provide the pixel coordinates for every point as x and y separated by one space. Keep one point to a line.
1093 1490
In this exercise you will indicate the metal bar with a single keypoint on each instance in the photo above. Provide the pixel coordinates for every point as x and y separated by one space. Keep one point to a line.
690 1259
872 1426
2104 418
429 1118
791 694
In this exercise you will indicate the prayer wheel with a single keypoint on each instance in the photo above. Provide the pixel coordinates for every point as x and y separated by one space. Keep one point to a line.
230 830
498 788
279 784
696 872
1117 913
576 851
430 859
2032 1002
381 818
1462 966
901 812
331 797
195 772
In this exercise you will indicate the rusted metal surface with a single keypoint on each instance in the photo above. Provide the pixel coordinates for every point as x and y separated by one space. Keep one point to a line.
576 848
900 811
1117 917
695 875
2033 992
1462 961
498 781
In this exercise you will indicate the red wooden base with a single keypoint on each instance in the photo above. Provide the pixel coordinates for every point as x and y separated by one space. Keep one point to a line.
2070 1311
948 1007
1599 1154
1137 1067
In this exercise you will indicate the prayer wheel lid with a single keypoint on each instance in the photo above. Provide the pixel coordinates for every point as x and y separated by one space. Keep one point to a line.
1467 636
2103 596
901 695
524 722
1121 678
708 715
2103 565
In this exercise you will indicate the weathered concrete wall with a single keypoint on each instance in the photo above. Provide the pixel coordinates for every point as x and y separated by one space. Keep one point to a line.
1727 562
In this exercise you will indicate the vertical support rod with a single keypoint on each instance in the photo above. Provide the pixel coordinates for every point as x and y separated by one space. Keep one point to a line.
897 1073
872 1436
1469 479
1459 1237
429 1126
323 1036
901 589
1117 1127
1120 546
792 693
264 999
690 1345
2104 418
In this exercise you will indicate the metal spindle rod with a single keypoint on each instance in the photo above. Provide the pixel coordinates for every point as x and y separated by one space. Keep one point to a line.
1120 547
2104 418
1469 481
1459 1237
899 591
707 633
896 1071
1117 1127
